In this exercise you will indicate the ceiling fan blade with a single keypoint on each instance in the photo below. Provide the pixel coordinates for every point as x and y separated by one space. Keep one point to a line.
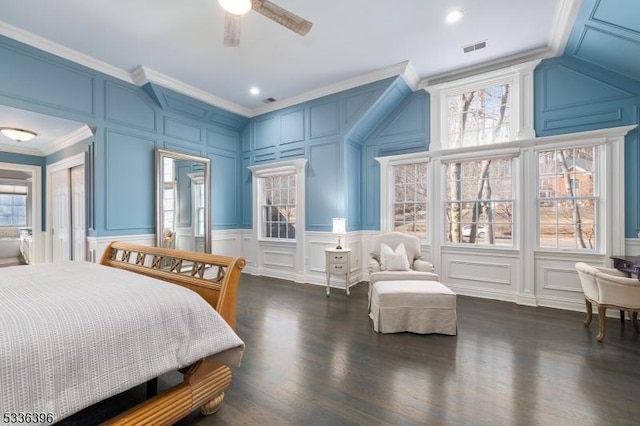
231 29
282 16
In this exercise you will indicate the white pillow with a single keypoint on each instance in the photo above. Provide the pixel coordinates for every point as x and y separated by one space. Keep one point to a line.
393 260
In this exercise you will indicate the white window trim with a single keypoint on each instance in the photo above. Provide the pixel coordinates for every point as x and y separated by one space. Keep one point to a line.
289 167
610 166
386 187
524 175
600 218
521 79
516 194
36 206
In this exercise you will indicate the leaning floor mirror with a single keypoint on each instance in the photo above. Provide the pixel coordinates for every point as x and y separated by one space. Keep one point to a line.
183 201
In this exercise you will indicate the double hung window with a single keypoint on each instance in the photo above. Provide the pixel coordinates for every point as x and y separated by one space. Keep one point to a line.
479 201
410 198
13 205
279 206
568 199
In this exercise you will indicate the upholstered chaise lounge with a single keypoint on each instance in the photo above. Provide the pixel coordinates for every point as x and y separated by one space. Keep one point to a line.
404 292
419 269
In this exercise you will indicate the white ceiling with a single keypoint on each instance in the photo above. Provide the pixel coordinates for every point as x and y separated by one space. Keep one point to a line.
179 44
52 133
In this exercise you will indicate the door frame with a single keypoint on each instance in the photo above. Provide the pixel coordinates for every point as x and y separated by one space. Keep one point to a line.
36 207
67 163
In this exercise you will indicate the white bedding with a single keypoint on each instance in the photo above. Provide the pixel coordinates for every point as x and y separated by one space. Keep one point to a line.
75 333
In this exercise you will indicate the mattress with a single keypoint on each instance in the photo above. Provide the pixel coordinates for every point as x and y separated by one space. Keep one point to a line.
75 333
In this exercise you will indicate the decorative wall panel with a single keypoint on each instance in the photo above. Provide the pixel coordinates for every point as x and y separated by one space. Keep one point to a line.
224 175
292 126
45 80
182 130
130 182
323 182
127 106
613 51
227 140
324 119
266 132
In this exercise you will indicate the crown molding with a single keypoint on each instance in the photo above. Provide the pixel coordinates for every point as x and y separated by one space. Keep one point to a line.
411 76
562 24
65 141
381 74
143 75
20 150
487 67
63 52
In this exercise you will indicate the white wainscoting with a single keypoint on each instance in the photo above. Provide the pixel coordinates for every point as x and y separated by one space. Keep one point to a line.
556 281
480 272
299 264
97 245
469 271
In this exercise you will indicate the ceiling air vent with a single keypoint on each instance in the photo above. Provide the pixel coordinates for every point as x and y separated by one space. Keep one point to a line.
474 46
269 100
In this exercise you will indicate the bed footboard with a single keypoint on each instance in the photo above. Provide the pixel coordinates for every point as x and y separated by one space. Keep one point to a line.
203 387
213 277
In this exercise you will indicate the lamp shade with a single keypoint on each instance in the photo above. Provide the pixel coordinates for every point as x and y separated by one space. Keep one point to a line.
236 7
17 135
339 225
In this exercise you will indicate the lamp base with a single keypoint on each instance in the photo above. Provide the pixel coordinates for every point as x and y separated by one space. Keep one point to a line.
338 247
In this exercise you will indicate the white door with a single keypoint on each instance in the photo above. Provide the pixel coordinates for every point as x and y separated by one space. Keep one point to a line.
60 216
78 237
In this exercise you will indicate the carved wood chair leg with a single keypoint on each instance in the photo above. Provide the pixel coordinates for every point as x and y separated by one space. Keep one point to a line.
634 319
602 323
589 315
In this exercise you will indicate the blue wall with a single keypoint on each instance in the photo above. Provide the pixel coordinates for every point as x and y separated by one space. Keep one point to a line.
404 131
340 135
574 96
130 123
329 133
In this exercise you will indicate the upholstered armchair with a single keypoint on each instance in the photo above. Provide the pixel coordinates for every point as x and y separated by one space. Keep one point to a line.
414 269
608 288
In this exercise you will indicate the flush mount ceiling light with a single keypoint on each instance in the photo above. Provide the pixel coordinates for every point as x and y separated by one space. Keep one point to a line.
18 135
454 16
236 7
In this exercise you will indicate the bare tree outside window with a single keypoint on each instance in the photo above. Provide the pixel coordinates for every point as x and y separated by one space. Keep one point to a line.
480 117
410 199
567 198
479 203
279 207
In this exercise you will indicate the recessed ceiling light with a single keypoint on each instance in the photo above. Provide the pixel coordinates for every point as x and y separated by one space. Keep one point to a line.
254 91
455 16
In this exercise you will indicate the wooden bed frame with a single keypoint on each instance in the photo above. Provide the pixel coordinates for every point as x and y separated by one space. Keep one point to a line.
213 277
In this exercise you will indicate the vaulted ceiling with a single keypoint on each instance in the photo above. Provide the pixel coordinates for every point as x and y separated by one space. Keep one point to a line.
179 45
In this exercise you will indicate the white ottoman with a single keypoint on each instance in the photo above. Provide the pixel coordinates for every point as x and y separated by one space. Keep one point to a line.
416 306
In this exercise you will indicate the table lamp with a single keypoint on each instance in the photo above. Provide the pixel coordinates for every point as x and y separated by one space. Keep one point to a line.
339 228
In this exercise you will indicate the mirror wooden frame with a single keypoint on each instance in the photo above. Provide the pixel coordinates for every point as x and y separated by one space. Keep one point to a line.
161 154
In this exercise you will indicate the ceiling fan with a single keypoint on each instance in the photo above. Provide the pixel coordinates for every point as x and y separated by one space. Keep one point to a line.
234 9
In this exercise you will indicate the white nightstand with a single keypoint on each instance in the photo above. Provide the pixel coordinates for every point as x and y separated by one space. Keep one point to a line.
338 263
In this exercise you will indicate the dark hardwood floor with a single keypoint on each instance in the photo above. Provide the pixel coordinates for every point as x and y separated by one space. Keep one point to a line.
313 360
